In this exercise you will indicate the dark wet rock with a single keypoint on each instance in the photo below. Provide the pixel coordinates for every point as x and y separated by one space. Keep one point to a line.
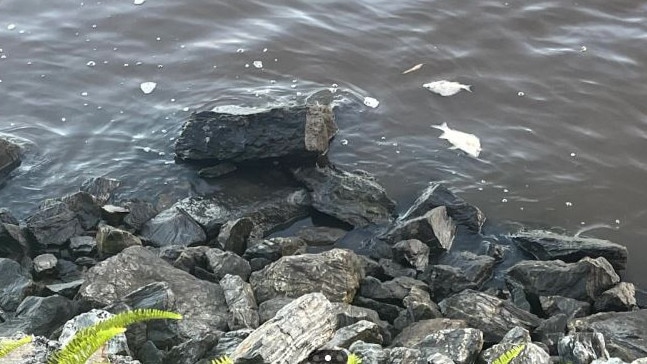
370 353
111 240
491 315
461 345
321 235
10 158
625 333
173 227
13 244
45 265
416 332
420 306
273 249
171 253
233 235
87 211
150 354
223 263
494 250
300 132
190 351
438 195
641 298
532 353
116 345
114 215
402 355
227 344
438 358
240 300
373 268
67 289
218 170
15 284
393 291
85 261
622 297
39 316
387 311
365 331
546 245
551 331
83 246
584 280
101 188
435 228
413 253
140 213
582 347
201 303
347 315
476 268
53 226
191 257
392 269
445 280
310 318
336 273
353 197
68 271
572 308
268 309
6 217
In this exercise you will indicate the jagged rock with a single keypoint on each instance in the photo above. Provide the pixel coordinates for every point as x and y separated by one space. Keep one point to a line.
192 259
584 280
13 244
201 303
416 332
53 226
173 227
625 333
223 263
67 289
233 235
140 213
306 323
15 284
392 269
227 344
622 297
111 240
39 315
373 268
551 331
268 309
320 235
445 280
582 347
241 302
393 291
347 315
299 132
150 354
116 345
572 308
218 170
531 352
494 250
438 195
36 352
435 228
386 311
83 245
87 211
476 268
461 345
114 215
491 315
546 245
68 271
370 353
420 306
335 273
413 253
641 298
45 265
353 197
273 249
438 358
6 217
191 351
10 158
402 355
101 188
365 331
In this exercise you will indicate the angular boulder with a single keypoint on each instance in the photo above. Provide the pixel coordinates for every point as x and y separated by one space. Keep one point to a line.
111 240
531 353
39 316
415 333
413 253
435 228
173 227
10 158
572 308
363 330
241 303
223 263
460 345
101 188
15 284
13 244
53 226
622 297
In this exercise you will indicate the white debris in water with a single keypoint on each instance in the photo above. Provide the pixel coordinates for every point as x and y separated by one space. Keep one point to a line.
258 64
11 26
573 154
344 142
158 39
146 149
583 49
371 102
246 65
446 88
147 87
63 119
240 50
91 63
414 68
186 109
617 221
264 50
84 93
521 94
505 190
272 82
293 86
569 204
126 65
160 65
504 200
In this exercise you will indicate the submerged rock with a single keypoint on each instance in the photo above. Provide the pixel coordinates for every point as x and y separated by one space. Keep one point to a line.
10 158
435 228
173 227
101 188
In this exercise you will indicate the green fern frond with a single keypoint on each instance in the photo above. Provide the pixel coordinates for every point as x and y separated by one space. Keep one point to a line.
222 360
7 346
79 351
507 357
353 359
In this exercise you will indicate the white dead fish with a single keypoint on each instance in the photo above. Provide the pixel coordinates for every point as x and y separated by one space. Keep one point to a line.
371 102
468 143
414 68
446 88
147 87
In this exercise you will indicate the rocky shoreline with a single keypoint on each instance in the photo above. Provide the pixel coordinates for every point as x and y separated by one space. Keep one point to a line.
391 289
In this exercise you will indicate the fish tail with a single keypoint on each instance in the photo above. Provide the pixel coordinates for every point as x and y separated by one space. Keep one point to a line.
442 126
468 88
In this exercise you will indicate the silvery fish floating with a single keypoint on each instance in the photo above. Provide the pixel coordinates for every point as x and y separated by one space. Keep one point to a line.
446 88
371 102
468 143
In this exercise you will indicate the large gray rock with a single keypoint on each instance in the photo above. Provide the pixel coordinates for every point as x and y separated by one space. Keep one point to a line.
438 195
223 263
392 291
435 228
53 226
84 206
111 240
233 235
201 303
530 354
241 303
15 284
140 213
445 280
336 273
622 297
460 345
300 132
476 268
116 345
420 306
299 328
572 308
13 244
582 347
353 197
227 344
584 280
39 315
173 227
268 309
413 253
415 333
10 158
320 235
101 188
83 246
625 333
386 311
363 330
45 265
370 353
491 315
546 245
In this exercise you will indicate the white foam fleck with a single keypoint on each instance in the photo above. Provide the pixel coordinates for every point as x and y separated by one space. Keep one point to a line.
11 26
344 142
568 204
146 149
264 50
186 109
371 102
521 94
84 93
504 200
617 221
139 2
573 154
91 63
147 87
258 64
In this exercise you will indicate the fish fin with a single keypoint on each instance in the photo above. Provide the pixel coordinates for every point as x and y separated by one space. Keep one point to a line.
442 126
468 88
453 147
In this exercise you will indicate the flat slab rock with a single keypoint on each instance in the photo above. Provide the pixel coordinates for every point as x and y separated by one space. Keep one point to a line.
546 245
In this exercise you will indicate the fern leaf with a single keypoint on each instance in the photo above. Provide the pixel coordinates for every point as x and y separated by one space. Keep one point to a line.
126 318
507 357
7 346
222 360
79 351
353 359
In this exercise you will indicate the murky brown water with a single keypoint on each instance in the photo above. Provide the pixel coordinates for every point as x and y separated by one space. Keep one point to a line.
558 101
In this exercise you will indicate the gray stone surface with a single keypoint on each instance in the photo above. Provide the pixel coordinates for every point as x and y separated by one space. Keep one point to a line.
101 188
460 345
268 309
116 345
39 316
392 291
233 235
476 268
140 213
53 226
416 332
347 315
45 265
582 347
370 353
412 252
362 330
241 302
445 280
15 284
67 289
83 245
173 227
111 240
572 308
223 263
387 312
530 353
191 350
420 306
621 297
393 269
87 211
435 228
218 170
10 158
320 235
13 243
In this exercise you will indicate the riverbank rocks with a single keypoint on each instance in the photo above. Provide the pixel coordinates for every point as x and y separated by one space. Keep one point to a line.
531 353
173 227
15 284
39 315
291 133
546 245
10 158
435 228
111 240
14 244
51 227
336 274
460 345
